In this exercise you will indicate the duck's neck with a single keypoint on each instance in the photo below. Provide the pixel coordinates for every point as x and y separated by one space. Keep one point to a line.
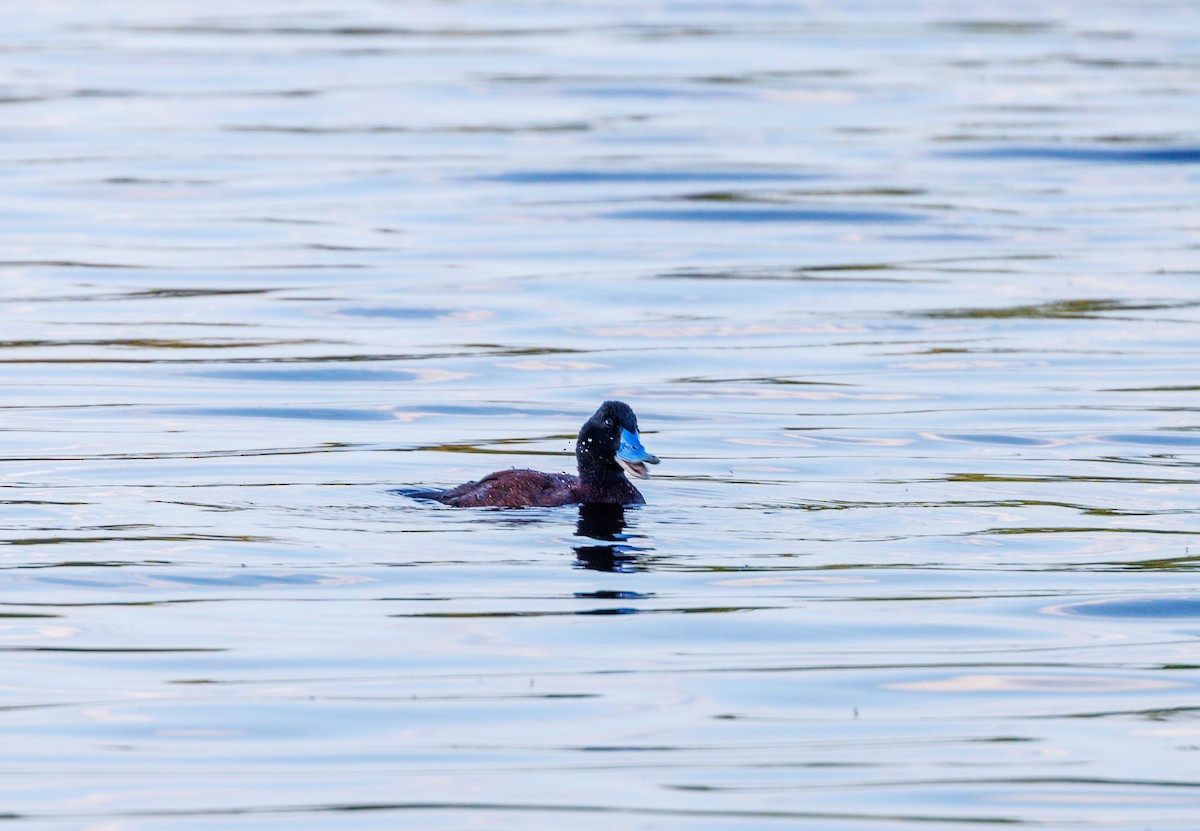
599 474
594 469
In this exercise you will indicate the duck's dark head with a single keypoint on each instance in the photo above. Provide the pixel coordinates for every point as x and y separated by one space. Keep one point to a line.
609 444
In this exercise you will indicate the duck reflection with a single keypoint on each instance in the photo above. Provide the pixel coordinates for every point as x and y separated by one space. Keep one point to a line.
605 524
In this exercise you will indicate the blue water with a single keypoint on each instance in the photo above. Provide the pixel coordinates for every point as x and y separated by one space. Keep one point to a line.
905 297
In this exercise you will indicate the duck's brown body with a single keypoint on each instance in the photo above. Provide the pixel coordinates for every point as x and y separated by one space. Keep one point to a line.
532 488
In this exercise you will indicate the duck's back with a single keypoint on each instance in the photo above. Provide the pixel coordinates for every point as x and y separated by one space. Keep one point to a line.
514 489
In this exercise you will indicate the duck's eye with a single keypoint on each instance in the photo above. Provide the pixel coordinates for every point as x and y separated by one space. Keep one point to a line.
608 422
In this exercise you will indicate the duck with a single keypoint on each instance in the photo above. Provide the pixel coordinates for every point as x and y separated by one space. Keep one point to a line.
608 447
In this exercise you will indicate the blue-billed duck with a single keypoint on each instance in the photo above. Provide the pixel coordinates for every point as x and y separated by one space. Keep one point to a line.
607 448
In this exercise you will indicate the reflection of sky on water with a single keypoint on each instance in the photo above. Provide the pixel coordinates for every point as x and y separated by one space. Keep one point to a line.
904 296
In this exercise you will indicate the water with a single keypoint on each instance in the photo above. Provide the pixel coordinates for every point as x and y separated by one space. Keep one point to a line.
904 294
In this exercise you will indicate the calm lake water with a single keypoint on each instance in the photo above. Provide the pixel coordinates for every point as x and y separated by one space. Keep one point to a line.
906 296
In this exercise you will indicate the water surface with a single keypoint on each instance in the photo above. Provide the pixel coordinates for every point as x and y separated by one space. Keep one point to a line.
904 294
